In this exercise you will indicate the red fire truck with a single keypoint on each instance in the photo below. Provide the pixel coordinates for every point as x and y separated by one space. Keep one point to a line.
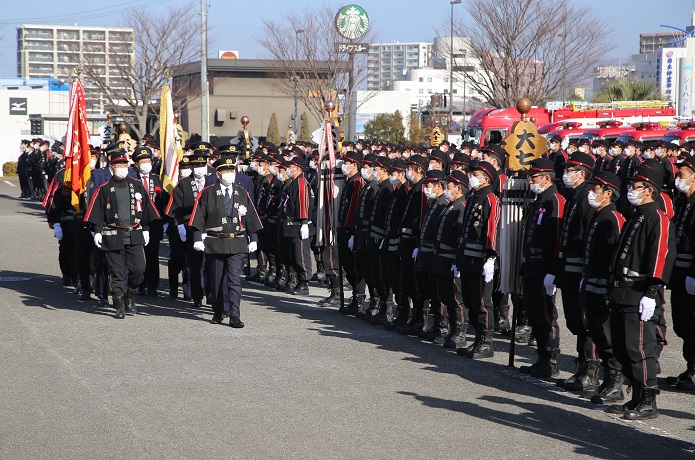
608 130
491 125
644 132
685 133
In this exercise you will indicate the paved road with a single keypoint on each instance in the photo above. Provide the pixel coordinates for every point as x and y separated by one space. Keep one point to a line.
298 382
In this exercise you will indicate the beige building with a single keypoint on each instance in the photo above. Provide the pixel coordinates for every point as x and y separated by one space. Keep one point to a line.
239 87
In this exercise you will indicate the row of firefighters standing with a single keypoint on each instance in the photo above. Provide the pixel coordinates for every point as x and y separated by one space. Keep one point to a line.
424 246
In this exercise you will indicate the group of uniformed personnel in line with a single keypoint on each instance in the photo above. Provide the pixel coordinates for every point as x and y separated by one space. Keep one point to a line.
418 233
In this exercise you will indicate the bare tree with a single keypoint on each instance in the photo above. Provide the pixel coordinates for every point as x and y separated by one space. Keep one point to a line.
301 50
530 48
162 40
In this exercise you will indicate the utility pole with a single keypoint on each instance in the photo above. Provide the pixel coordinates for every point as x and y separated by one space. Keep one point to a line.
451 63
204 87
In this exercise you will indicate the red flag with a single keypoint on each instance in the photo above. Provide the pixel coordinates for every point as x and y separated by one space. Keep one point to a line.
77 156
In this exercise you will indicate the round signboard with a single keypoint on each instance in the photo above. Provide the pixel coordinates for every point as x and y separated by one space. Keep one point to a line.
352 22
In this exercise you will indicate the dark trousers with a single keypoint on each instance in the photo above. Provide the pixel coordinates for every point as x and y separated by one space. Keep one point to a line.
363 268
101 273
225 282
177 261
683 312
541 312
598 322
300 257
82 244
477 295
264 257
392 275
634 343
131 258
194 267
376 274
450 292
151 280
66 258
575 316
347 258
331 264
24 185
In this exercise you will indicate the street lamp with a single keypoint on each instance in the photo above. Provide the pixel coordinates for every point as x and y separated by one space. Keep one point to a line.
295 77
451 63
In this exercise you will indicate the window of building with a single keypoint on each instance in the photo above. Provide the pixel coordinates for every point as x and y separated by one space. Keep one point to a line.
420 79
429 79
421 91
455 91
429 91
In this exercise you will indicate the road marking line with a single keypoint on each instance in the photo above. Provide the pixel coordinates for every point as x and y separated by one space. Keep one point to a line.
9 183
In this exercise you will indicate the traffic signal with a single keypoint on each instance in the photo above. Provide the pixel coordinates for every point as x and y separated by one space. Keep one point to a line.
36 127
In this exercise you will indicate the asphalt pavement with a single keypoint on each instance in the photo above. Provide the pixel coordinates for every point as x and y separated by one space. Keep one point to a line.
299 381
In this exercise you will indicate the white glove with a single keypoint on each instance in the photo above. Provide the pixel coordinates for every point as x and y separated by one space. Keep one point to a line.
304 231
182 232
166 227
146 236
690 285
455 270
581 284
646 308
58 231
199 246
253 245
203 236
489 270
97 240
549 283
414 256
351 243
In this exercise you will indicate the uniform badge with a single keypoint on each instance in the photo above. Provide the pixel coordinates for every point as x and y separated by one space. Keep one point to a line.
108 205
476 223
224 220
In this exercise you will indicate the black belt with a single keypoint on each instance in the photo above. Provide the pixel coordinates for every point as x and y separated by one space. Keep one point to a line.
225 235
128 228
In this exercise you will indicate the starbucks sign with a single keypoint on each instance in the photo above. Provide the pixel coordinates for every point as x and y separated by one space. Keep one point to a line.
352 22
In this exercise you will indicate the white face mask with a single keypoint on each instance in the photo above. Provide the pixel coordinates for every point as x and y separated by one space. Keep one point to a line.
366 173
394 180
252 166
448 195
261 170
120 173
186 172
632 197
227 178
567 179
430 167
658 152
345 169
682 184
281 177
591 197
429 192
474 182
374 175
93 164
582 149
145 168
648 154
200 171
410 176
272 169
536 188
613 152
312 164
43 148
630 151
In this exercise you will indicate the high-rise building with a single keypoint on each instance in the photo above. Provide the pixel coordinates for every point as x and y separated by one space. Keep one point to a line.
389 62
651 43
46 51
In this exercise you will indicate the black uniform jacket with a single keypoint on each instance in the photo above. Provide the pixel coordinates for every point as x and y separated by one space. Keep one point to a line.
415 207
347 214
58 202
296 207
644 257
541 248
102 214
478 237
394 218
428 233
449 231
362 226
578 216
600 242
684 223
380 208
225 235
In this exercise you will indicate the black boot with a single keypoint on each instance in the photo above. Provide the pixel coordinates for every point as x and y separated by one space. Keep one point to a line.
402 316
504 323
292 283
380 317
546 365
484 347
586 377
350 308
415 323
523 334
300 288
119 305
333 299
86 292
130 301
611 389
631 404
371 308
457 339
646 407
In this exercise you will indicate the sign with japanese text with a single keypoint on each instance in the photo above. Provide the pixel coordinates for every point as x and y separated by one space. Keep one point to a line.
523 145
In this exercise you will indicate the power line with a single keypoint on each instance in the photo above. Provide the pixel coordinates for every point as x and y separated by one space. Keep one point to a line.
97 13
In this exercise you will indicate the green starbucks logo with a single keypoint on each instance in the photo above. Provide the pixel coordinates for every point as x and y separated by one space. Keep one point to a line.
352 22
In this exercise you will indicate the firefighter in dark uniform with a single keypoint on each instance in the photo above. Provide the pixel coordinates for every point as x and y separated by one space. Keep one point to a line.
578 215
682 282
377 234
392 261
295 219
327 254
541 262
628 168
600 240
120 213
667 161
142 157
477 257
415 207
265 254
276 270
600 152
224 223
177 248
642 266
347 215
449 231
179 211
558 156
437 329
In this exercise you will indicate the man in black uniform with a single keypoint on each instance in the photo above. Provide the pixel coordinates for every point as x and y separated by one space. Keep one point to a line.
682 282
541 262
295 218
265 255
642 266
225 223
477 257
120 213
358 240
142 157
578 214
600 241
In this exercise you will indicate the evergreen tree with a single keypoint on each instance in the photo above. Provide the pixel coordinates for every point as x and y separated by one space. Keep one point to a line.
386 127
304 130
273 130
